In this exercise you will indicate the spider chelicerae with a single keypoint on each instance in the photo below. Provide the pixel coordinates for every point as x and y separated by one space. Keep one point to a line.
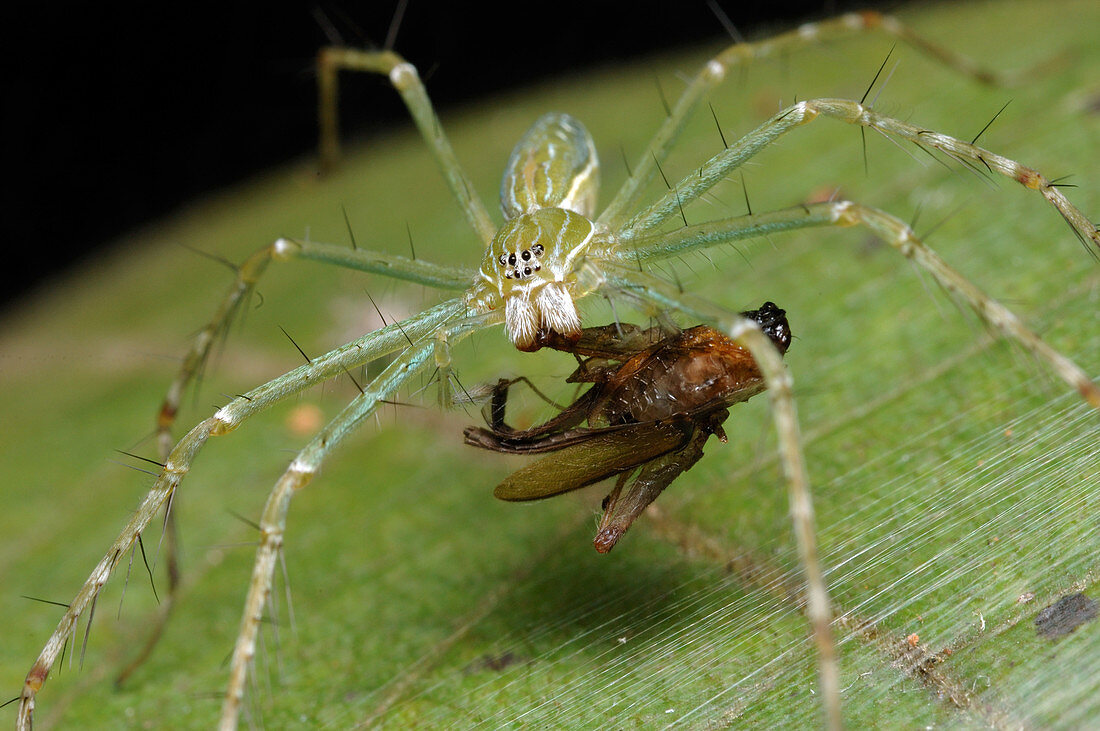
606 258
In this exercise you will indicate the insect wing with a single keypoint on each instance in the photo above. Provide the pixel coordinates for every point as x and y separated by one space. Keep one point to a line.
597 458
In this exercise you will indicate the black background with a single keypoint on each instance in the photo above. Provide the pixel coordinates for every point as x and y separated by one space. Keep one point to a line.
116 114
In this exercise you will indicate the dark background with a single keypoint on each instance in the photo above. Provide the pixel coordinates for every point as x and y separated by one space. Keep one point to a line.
115 115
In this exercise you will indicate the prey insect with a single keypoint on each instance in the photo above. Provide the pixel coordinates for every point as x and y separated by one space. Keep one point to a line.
553 248
656 399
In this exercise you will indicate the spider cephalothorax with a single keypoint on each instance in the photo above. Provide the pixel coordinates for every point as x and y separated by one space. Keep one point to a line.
548 198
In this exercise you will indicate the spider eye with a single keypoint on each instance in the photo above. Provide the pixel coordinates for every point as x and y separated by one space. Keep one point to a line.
527 271
503 260
526 255
512 259
537 249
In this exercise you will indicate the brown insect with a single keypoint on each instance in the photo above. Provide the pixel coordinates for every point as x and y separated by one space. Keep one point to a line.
655 400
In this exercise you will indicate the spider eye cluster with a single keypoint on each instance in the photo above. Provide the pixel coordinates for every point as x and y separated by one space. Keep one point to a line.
522 264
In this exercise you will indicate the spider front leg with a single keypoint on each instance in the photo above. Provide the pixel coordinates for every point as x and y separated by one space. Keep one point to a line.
625 277
893 231
721 165
305 465
248 274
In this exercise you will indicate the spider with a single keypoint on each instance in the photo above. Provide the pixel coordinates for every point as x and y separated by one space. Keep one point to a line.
609 265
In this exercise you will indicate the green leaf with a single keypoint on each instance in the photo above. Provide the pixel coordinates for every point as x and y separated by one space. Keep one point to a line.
956 482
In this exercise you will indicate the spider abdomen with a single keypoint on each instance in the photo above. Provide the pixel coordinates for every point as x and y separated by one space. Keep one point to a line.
548 197
554 165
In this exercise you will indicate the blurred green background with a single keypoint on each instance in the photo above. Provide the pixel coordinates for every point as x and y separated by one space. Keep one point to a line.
952 475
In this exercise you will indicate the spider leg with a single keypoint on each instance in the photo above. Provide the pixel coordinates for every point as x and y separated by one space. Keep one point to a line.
619 279
248 274
894 232
722 164
300 473
714 71
178 462
403 76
